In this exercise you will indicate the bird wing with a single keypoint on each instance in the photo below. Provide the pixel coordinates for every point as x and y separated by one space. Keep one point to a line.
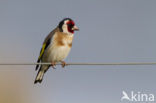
46 43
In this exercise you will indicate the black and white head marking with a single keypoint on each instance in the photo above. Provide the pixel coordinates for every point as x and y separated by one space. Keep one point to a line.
66 26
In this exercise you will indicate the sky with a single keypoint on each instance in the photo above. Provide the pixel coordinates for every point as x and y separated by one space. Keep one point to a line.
111 31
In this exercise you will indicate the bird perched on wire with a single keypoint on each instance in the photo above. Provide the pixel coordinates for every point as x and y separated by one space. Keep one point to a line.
56 47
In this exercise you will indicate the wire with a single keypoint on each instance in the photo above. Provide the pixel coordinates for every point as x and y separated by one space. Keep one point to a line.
130 63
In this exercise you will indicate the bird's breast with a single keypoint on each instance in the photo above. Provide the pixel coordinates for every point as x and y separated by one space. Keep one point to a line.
60 47
62 39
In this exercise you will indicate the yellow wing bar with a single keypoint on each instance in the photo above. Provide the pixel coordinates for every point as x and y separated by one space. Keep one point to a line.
42 51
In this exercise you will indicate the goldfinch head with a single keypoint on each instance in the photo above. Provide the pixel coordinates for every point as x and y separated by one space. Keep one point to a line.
68 26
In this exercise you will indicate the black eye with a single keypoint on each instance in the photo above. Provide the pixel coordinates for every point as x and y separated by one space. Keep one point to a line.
70 25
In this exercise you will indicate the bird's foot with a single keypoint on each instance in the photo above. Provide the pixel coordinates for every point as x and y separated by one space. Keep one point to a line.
53 64
63 64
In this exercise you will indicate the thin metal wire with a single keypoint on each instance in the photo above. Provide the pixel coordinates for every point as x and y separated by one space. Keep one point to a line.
130 63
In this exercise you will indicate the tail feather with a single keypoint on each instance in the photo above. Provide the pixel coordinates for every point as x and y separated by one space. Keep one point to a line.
39 77
37 66
40 74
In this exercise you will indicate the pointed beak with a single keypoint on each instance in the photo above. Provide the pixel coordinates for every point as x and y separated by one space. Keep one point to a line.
75 28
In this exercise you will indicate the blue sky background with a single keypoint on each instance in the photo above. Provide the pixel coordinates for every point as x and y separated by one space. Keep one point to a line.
110 31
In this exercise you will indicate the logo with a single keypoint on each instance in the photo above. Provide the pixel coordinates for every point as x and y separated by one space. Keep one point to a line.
137 97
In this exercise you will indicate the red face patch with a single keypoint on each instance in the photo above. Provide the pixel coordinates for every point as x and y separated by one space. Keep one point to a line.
71 22
70 25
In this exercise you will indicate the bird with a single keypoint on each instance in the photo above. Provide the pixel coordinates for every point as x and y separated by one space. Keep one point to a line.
125 96
56 47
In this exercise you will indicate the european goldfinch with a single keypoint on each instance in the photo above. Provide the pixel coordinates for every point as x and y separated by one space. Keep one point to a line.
56 47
